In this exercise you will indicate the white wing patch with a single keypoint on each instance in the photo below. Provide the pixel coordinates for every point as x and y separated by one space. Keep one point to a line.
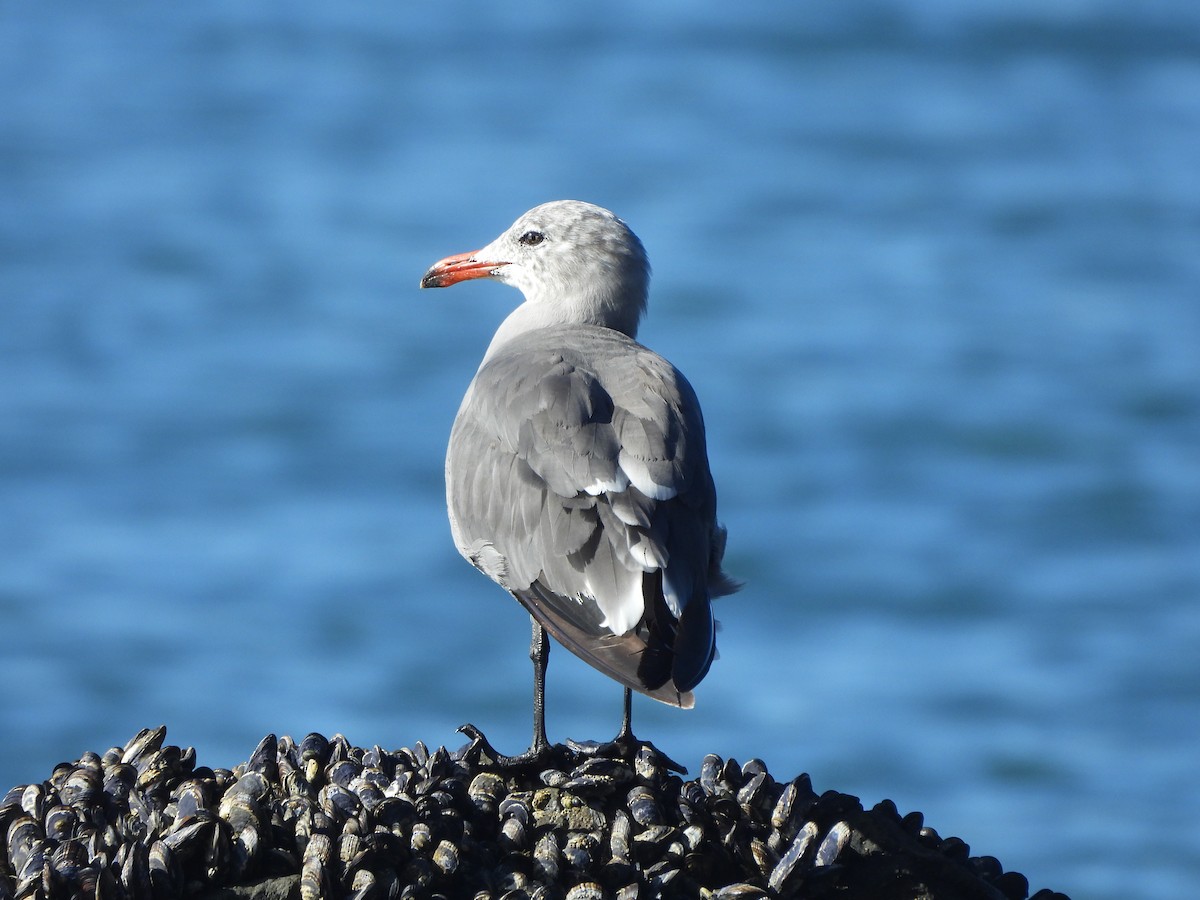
613 486
621 614
638 473
649 556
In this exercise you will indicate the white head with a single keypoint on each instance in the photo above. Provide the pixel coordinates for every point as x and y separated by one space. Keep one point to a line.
575 263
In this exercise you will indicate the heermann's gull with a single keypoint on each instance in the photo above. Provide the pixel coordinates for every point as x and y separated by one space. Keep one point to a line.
577 476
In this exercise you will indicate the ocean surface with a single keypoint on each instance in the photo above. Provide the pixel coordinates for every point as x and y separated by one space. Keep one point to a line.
932 267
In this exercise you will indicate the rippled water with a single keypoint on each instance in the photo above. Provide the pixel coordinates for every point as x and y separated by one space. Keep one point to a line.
932 269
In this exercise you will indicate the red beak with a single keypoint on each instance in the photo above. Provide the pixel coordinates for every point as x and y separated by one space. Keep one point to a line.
460 267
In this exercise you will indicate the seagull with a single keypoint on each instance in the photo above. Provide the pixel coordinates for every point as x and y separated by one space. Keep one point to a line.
577 476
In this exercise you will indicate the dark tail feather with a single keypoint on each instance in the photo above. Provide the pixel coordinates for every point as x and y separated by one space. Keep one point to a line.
679 650
659 627
695 643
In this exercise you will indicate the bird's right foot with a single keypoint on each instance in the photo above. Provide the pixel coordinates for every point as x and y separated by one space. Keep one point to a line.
481 752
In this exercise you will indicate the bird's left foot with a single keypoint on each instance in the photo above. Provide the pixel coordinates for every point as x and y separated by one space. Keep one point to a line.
627 746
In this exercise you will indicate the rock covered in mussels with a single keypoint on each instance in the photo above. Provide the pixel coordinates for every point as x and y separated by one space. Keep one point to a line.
320 818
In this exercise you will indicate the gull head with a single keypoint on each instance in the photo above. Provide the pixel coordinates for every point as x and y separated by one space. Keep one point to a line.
574 262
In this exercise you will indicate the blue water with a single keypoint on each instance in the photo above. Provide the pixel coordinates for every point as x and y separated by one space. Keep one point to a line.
933 268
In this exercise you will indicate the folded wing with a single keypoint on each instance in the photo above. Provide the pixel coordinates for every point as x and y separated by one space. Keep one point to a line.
577 478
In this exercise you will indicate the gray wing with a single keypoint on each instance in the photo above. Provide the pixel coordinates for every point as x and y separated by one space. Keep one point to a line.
577 478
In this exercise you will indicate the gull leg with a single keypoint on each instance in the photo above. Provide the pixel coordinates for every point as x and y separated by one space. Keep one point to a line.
539 652
626 733
627 745
540 749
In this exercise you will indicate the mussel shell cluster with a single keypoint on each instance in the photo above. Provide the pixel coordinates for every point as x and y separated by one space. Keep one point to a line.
320 818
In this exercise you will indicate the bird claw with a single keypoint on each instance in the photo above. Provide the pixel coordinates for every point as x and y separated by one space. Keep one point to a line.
481 752
626 746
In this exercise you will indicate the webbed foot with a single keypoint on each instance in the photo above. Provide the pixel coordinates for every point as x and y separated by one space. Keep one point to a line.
480 751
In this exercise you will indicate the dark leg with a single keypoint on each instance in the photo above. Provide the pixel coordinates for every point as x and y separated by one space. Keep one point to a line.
539 652
626 733
627 746
539 750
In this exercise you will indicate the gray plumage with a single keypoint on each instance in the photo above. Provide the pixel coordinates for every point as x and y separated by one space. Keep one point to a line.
577 475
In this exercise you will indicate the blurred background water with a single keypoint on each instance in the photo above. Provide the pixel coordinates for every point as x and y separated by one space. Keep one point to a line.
933 268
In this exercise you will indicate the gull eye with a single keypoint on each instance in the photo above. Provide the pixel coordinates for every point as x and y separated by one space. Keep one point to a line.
531 238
